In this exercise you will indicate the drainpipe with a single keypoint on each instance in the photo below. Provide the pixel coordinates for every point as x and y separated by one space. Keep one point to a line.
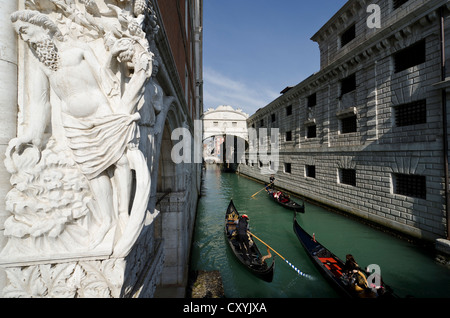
444 120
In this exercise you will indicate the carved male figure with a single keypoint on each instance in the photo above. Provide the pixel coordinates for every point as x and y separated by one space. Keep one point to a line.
99 121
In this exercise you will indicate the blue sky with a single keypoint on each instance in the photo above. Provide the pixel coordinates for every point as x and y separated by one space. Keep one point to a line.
253 49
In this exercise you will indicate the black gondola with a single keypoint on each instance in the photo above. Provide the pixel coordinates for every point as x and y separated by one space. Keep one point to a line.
333 269
284 200
254 261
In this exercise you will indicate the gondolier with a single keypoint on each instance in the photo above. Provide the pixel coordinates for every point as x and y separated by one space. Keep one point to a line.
347 278
242 229
272 181
248 255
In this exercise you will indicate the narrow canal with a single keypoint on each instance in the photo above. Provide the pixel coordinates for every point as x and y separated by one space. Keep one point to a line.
410 270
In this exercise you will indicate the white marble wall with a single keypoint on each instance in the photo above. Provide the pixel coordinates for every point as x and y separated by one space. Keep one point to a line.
8 103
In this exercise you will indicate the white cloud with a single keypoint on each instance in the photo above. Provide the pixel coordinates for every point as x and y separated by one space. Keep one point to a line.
222 90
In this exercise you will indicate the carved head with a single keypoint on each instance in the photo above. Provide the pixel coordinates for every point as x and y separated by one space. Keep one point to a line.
36 30
33 26
128 50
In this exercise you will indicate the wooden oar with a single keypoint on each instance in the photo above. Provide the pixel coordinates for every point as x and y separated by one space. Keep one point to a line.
261 189
289 263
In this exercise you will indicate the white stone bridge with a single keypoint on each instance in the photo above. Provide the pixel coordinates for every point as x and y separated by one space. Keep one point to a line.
221 126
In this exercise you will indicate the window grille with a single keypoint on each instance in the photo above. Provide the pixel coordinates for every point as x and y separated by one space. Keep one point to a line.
348 35
348 124
289 136
398 3
410 185
411 113
311 131
311 171
348 176
348 84
312 100
409 57
289 110
287 167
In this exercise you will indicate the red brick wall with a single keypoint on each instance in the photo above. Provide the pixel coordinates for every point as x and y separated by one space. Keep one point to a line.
173 14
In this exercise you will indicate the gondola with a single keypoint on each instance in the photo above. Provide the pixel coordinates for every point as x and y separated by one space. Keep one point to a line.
284 200
253 262
332 268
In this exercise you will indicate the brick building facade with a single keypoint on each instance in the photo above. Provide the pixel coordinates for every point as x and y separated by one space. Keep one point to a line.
180 42
182 28
366 133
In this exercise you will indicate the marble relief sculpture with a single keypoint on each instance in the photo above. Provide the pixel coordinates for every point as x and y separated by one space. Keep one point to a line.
89 87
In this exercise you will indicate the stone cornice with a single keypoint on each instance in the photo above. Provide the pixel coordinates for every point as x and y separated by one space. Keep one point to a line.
340 19
386 40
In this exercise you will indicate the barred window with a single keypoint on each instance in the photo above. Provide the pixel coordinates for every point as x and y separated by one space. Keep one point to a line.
287 167
312 100
398 3
348 84
410 185
409 57
289 110
310 171
348 35
348 124
411 113
311 131
288 135
348 176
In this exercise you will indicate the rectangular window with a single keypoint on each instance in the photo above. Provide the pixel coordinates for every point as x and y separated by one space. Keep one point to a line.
273 118
288 135
311 131
310 171
409 57
348 176
410 185
348 35
398 3
411 113
348 84
287 167
348 124
289 110
261 123
312 100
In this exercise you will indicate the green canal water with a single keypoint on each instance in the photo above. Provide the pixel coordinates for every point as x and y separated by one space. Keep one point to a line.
409 269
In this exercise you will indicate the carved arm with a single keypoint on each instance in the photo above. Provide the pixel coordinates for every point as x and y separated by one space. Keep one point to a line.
38 115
